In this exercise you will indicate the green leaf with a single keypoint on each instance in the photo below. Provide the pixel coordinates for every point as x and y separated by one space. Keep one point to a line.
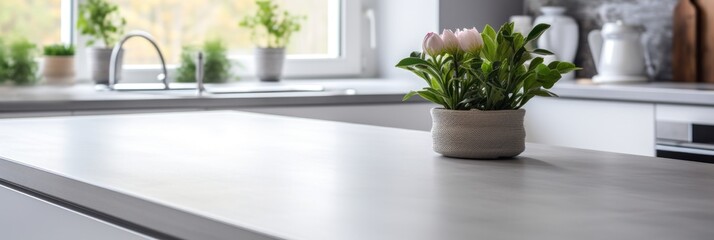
542 69
489 47
534 63
507 29
488 31
546 76
566 67
409 95
542 52
518 41
415 54
411 61
537 31
553 65
486 68
434 83
529 80
432 98
544 93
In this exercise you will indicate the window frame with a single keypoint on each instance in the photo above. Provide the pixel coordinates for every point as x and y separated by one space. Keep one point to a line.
348 62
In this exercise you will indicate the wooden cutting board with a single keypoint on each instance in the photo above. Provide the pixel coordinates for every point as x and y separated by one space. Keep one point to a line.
684 43
706 40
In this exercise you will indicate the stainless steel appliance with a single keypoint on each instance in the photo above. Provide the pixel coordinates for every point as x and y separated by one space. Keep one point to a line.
686 141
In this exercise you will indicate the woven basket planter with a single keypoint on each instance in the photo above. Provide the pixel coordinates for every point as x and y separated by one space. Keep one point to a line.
476 134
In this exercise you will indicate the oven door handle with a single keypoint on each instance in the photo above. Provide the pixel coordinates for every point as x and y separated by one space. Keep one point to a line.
697 151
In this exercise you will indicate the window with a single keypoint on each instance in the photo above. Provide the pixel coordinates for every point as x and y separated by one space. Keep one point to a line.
177 23
327 45
19 19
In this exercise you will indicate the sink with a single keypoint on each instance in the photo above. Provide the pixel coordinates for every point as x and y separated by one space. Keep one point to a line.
189 89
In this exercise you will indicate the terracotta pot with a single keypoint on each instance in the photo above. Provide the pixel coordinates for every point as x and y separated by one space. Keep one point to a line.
269 63
477 134
99 64
58 70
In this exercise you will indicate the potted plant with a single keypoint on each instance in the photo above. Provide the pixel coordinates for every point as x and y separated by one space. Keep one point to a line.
21 63
217 67
271 32
482 81
4 63
101 22
59 64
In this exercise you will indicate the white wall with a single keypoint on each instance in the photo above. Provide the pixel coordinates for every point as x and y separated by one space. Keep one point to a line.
401 26
477 13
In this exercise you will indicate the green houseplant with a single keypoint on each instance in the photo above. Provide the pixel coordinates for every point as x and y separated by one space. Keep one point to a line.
20 63
59 64
101 22
271 31
217 66
482 81
4 62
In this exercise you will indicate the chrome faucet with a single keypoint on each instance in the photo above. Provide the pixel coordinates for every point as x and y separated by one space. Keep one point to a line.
199 74
115 54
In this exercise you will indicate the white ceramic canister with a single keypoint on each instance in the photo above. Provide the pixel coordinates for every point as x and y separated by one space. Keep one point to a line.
562 36
522 24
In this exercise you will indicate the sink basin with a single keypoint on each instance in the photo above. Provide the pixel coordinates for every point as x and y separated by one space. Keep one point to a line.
190 88
265 89
220 88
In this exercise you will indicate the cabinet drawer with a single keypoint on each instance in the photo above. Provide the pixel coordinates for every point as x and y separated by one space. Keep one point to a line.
25 217
687 114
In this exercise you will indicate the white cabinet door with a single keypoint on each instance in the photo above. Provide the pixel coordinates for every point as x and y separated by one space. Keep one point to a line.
414 116
23 217
598 125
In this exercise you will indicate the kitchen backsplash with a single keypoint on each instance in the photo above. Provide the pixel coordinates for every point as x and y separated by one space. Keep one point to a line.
654 15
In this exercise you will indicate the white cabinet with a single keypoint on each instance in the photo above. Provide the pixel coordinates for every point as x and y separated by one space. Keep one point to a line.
685 114
23 217
598 125
414 116
622 127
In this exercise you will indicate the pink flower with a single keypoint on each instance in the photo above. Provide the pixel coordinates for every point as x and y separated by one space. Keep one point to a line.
451 42
470 40
433 45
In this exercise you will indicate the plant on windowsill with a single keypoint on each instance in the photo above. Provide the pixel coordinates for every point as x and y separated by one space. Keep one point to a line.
101 22
59 64
4 63
217 66
18 63
482 81
271 32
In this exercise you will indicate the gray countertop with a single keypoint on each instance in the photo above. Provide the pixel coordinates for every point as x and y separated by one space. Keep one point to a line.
86 97
654 92
338 91
232 175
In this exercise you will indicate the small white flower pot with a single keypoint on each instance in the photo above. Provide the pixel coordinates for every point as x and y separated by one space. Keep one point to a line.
477 134
58 70
98 61
269 63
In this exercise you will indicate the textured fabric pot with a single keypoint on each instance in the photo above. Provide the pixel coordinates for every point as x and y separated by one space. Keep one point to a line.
478 134
269 63
99 64
58 70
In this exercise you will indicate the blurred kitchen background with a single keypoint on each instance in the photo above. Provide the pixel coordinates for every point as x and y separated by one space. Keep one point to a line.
177 23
